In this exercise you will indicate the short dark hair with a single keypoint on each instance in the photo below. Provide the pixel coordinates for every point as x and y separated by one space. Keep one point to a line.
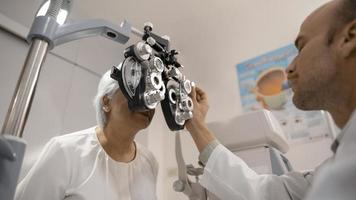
345 13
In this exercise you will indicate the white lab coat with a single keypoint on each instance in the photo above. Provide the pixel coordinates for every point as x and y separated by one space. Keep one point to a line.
229 178
75 166
337 180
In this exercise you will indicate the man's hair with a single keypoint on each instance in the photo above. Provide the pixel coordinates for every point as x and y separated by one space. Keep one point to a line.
345 13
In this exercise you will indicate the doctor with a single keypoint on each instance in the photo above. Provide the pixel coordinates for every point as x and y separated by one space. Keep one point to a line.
323 77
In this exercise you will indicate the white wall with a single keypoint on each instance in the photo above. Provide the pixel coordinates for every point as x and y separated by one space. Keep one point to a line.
212 36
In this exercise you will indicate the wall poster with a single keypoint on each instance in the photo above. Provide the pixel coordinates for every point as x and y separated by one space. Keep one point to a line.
262 82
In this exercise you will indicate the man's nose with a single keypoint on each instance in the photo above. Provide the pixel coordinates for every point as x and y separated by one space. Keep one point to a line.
290 71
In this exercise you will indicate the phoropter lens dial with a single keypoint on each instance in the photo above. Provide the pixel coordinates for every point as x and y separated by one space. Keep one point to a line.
131 75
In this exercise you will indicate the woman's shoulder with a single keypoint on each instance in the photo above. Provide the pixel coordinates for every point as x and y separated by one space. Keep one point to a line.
148 156
76 138
144 151
76 143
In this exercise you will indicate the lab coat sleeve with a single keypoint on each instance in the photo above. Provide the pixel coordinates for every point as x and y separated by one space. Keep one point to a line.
48 178
229 178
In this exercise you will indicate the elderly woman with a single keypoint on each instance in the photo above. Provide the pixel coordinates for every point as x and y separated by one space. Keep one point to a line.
103 162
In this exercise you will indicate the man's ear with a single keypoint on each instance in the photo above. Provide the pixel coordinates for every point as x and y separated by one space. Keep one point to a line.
106 104
348 47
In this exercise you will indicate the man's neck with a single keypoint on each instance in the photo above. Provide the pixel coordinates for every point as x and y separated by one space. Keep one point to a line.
341 113
340 117
343 102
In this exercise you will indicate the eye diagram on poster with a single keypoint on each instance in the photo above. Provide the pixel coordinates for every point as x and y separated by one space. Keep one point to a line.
262 82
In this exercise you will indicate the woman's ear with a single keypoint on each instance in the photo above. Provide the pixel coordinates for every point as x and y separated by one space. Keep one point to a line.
106 104
348 47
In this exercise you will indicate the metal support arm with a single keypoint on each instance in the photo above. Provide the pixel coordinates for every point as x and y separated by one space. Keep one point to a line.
193 190
46 28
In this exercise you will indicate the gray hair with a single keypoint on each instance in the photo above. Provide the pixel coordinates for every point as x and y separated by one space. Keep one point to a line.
107 87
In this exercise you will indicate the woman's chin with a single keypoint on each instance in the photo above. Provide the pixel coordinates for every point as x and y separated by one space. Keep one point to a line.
143 120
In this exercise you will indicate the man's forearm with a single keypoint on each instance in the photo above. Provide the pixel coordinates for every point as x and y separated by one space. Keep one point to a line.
201 135
207 151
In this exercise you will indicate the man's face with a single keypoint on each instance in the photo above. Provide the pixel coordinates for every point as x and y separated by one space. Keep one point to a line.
312 73
122 114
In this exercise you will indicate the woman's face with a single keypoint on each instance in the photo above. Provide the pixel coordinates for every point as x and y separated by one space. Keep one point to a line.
119 112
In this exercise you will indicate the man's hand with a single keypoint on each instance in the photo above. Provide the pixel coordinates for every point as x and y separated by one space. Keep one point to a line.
196 126
201 107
